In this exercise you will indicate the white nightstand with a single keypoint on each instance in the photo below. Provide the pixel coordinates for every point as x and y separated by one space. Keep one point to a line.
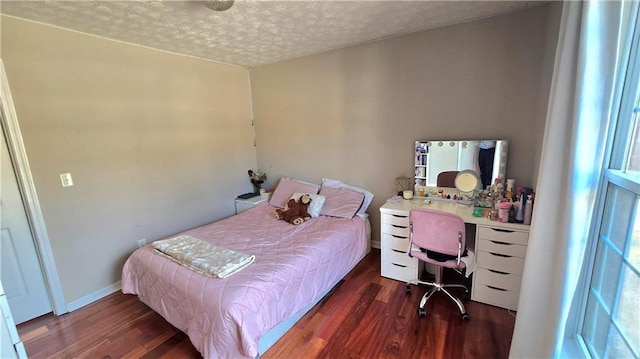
244 204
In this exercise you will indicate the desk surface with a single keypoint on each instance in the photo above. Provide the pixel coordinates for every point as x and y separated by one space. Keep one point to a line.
464 211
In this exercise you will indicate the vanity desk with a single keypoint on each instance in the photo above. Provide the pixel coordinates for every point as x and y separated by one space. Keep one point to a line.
500 249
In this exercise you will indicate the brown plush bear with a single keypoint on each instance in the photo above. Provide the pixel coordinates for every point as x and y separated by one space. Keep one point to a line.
295 212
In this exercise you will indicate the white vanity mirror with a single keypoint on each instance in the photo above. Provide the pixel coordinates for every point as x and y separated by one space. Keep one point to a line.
488 158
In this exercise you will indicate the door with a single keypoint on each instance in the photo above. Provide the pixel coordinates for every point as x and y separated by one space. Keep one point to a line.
22 276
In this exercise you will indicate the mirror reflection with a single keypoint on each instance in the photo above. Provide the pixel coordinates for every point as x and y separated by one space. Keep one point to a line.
438 162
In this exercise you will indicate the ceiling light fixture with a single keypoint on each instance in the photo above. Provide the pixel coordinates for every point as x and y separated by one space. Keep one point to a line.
218 5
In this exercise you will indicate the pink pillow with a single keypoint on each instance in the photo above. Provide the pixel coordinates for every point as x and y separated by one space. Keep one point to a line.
287 187
368 196
341 202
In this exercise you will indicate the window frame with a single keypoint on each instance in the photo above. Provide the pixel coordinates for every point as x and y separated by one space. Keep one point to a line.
618 137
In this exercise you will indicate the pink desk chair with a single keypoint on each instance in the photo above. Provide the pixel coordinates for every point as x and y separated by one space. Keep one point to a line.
443 233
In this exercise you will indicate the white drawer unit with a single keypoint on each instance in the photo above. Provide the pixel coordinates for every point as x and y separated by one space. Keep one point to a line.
500 256
394 242
500 250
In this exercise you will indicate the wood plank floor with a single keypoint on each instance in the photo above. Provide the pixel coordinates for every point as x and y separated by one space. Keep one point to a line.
366 316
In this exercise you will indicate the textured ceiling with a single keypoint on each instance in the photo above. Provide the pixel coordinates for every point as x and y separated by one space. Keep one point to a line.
253 32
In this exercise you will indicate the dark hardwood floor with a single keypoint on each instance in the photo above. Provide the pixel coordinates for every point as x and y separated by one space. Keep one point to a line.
365 316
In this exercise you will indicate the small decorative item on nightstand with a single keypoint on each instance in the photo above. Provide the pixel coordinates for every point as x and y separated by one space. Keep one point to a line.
264 193
257 179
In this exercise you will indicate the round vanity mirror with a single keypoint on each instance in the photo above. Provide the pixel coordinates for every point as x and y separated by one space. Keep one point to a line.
467 181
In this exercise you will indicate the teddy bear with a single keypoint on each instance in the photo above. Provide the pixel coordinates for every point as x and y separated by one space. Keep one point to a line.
295 212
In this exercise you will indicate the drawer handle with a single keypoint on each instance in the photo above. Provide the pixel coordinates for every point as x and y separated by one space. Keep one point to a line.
497 271
401 237
499 255
496 288
398 216
399 251
399 265
396 226
501 243
502 230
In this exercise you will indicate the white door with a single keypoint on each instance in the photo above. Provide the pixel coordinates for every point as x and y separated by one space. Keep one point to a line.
22 276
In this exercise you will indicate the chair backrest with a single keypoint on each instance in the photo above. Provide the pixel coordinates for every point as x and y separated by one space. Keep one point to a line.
437 230
446 179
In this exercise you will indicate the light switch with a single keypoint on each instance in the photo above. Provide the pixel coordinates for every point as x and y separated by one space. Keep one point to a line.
66 179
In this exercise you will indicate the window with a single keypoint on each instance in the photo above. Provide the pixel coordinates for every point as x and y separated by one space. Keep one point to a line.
611 322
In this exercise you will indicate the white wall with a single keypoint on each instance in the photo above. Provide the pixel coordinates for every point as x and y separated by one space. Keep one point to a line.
156 143
354 113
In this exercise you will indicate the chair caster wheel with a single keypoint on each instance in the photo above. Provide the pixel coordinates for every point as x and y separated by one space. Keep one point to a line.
466 317
467 295
407 289
422 312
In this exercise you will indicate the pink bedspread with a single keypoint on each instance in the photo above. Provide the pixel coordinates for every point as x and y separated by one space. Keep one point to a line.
225 318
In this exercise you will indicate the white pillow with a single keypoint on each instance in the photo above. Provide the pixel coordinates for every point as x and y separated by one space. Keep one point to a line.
317 201
368 196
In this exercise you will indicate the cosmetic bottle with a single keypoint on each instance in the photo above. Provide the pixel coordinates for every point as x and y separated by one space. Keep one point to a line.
503 212
509 194
526 193
520 212
528 210
512 213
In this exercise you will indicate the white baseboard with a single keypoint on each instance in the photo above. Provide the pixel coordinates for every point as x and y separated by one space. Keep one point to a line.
375 244
90 298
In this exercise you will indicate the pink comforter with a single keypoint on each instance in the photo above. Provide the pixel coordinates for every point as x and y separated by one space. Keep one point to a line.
225 318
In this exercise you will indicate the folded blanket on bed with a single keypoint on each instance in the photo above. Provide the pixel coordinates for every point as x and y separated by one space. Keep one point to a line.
203 257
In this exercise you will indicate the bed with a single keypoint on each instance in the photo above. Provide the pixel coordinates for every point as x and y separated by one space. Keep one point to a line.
240 316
